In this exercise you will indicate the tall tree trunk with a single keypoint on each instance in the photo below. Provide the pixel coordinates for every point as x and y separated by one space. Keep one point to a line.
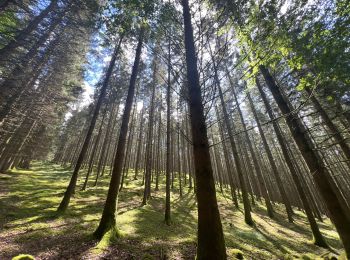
179 168
149 149
73 181
94 150
238 162
211 243
168 148
128 147
332 127
318 238
139 145
322 179
105 145
262 183
158 155
228 163
108 219
272 163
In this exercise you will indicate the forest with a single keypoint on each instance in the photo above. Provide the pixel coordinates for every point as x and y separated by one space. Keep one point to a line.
175 129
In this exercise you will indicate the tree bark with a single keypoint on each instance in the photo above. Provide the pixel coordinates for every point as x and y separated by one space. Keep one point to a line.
73 181
272 163
168 148
108 219
149 149
238 162
322 179
211 243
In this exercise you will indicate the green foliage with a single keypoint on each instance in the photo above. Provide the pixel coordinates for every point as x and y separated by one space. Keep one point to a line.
8 25
126 17
312 40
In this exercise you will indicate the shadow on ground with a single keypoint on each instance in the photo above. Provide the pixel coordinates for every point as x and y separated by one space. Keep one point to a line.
28 201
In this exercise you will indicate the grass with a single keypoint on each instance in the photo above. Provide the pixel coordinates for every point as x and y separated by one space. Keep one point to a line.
29 198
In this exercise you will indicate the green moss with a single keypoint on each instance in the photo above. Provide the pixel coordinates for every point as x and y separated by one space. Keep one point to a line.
23 257
148 257
308 257
288 257
342 256
34 195
236 254
107 240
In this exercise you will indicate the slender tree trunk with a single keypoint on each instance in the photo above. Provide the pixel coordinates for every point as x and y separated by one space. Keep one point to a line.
168 148
272 163
211 243
94 150
139 146
179 168
73 181
149 149
108 219
228 164
106 141
332 127
318 238
337 213
238 162
128 147
255 161
158 156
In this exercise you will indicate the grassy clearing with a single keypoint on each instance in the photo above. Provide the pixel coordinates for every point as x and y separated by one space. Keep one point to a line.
28 200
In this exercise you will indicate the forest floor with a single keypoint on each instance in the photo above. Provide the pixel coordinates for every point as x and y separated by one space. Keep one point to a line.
29 198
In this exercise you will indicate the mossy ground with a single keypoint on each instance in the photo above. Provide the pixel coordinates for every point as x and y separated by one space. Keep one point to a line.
29 198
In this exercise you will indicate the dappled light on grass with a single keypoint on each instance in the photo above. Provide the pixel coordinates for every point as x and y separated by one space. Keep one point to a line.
28 222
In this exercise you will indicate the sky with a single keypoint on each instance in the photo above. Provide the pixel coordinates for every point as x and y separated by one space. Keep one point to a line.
97 60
